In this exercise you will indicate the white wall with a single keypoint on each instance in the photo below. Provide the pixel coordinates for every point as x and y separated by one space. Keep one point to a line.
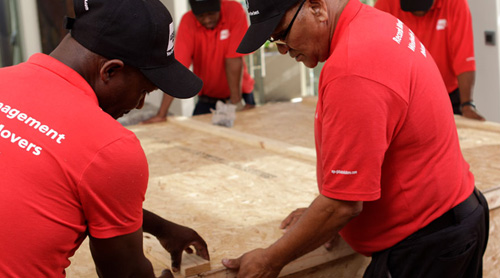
29 28
485 17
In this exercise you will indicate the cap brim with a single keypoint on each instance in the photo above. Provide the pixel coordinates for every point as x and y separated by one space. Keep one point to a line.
258 33
175 80
415 6
205 8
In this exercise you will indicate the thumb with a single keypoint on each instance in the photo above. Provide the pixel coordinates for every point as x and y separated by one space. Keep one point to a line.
231 263
176 258
166 274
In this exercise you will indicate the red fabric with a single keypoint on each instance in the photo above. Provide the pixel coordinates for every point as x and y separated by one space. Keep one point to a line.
207 49
446 30
74 168
384 130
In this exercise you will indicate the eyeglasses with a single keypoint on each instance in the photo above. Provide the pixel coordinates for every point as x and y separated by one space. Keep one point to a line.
280 38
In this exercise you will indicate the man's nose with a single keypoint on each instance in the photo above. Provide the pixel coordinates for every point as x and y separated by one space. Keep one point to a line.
283 48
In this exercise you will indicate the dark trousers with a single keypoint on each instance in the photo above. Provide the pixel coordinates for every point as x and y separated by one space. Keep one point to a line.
206 103
455 102
451 246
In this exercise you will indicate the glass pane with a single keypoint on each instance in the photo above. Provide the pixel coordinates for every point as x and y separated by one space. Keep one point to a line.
51 15
10 47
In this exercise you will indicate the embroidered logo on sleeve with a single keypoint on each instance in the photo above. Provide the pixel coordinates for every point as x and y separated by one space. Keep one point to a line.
441 25
224 34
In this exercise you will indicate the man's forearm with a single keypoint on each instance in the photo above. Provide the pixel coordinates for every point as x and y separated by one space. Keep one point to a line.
466 82
234 75
153 224
165 105
319 223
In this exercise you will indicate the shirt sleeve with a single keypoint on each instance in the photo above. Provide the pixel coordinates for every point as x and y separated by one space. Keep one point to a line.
239 26
461 37
184 41
113 188
359 119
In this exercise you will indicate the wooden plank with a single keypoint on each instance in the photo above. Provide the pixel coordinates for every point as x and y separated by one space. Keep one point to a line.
250 139
492 195
193 265
463 122
314 258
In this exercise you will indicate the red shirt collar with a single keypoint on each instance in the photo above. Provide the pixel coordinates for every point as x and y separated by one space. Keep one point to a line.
350 11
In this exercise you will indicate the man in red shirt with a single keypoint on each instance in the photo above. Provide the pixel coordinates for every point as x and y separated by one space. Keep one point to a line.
445 28
207 38
68 169
391 175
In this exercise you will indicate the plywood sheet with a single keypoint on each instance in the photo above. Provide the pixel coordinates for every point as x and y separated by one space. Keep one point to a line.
233 194
291 123
234 189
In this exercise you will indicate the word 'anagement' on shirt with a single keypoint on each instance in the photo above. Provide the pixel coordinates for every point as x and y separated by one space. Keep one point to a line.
12 113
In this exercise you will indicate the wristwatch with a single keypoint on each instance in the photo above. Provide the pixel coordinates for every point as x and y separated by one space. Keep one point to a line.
467 103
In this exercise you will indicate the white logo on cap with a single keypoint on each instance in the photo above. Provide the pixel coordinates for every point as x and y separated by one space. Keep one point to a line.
170 48
251 13
86 4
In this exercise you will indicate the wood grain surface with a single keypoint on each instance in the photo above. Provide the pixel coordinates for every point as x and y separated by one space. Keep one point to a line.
234 186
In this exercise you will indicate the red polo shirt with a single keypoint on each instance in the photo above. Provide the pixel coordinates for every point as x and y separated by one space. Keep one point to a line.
385 133
67 169
446 30
207 49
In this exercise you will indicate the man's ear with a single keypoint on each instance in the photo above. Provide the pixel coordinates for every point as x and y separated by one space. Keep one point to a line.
319 9
110 68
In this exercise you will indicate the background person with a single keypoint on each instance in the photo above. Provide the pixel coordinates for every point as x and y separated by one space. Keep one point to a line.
445 28
69 169
207 38
391 175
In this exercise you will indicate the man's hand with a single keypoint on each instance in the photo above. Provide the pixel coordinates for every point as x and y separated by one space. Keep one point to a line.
178 239
292 218
254 264
470 112
166 274
155 119
174 238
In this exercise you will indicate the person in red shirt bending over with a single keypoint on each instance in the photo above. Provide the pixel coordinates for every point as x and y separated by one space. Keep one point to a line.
391 177
69 170
445 28
207 38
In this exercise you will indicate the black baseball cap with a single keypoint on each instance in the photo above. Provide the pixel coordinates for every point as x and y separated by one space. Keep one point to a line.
265 15
416 5
204 6
138 32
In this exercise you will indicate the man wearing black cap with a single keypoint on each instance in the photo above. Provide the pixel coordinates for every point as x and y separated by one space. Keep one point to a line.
391 176
207 38
69 169
445 28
